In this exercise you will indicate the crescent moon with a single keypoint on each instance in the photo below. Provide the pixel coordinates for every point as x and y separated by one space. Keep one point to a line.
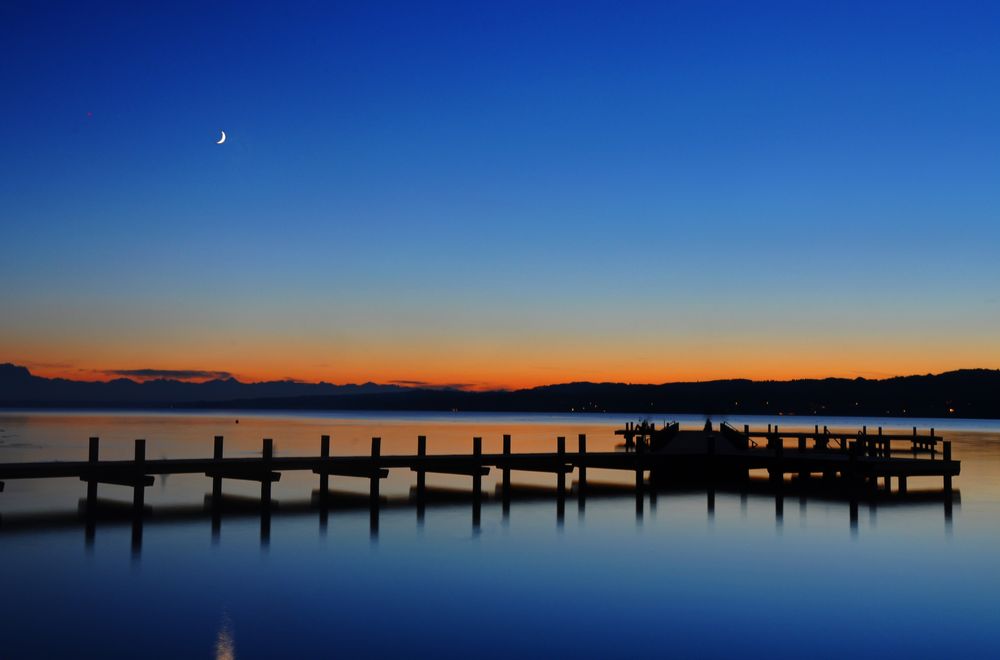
222 139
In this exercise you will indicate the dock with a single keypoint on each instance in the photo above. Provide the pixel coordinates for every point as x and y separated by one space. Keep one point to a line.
819 464
669 455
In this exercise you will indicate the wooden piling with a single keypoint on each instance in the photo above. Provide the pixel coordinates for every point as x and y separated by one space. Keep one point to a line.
640 449
506 469
217 480
582 449
477 478
92 457
777 471
946 446
477 483
373 490
421 481
561 476
267 454
421 475
139 490
216 492
324 478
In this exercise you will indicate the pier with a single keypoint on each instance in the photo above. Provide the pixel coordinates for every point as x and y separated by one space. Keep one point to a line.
848 466
669 455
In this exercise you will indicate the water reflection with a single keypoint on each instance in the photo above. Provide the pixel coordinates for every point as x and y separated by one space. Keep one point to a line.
225 646
530 567
326 503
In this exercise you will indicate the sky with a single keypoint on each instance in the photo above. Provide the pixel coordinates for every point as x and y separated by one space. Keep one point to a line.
500 194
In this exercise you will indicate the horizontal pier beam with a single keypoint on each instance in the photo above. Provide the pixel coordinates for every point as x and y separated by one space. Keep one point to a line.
132 482
353 471
244 474
252 468
456 468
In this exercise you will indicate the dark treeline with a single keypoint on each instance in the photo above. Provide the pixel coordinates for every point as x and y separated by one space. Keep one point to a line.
972 393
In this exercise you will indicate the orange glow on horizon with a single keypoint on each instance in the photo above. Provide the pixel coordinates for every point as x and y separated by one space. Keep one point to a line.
485 375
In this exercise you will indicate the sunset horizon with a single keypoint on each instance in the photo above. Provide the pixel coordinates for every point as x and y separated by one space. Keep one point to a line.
446 329
142 374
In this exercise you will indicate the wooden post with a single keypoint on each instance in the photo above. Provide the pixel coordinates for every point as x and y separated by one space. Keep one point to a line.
92 457
776 473
852 463
933 449
946 445
902 483
421 475
640 449
477 478
373 490
561 476
267 453
477 482
582 439
746 430
803 475
506 468
561 481
324 478
139 490
217 481
421 481
216 492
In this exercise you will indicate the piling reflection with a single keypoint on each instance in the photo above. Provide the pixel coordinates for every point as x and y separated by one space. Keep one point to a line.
325 503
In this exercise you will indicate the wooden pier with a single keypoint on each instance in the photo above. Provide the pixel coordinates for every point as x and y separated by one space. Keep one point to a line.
722 457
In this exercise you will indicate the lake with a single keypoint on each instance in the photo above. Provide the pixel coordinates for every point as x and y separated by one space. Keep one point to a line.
606 576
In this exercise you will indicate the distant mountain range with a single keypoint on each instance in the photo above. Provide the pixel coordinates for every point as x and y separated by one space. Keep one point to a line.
970 393
18 387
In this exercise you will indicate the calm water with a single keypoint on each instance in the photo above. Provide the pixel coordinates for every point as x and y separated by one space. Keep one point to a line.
604 579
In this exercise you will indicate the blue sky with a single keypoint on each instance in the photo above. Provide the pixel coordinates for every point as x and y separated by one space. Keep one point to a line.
493 183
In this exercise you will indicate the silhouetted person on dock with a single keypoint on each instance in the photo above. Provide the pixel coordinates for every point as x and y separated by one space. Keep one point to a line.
708 425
